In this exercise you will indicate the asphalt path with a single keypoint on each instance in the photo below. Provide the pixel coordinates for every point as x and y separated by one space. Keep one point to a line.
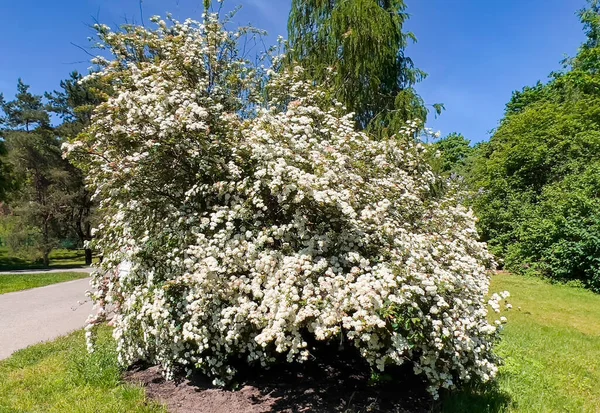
41 314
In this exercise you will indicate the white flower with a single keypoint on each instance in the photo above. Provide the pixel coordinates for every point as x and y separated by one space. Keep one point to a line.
232 226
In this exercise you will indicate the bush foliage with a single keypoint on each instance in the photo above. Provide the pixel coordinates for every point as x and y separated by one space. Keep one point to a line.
245 219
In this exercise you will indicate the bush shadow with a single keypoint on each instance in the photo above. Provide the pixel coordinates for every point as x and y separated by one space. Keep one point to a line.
339 382
335 381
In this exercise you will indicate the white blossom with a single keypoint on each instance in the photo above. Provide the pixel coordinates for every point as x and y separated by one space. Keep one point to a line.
237 228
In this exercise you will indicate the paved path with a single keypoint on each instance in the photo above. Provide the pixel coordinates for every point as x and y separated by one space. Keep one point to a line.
42 271
42 314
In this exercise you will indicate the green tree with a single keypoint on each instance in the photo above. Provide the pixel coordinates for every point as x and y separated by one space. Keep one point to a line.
26 111
454 151
74 104
359 45
34 155
5 175
537 180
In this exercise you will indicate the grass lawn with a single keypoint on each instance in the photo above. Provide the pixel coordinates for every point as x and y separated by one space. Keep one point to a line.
551 352
550 347
61 377
17 282
59 258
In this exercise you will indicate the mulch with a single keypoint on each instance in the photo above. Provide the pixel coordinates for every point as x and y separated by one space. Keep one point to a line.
341 385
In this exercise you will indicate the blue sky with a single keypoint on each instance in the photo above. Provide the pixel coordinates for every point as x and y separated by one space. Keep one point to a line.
475 51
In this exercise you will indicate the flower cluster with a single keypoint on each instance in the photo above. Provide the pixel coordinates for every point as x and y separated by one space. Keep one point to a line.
243 228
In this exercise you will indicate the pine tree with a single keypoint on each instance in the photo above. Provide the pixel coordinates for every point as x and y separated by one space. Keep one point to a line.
34 155
363 43
26 111
74 104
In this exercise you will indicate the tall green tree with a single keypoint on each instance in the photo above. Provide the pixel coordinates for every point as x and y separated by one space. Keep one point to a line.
35 158
74 104
359 45
26 111
454 151
5 174
538 192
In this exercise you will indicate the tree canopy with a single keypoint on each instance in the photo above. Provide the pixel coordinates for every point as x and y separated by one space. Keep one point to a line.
536 180
360 44
45 193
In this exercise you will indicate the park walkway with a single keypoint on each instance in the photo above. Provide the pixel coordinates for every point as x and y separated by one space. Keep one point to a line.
41 314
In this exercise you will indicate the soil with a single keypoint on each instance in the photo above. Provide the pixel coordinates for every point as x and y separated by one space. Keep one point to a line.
337 387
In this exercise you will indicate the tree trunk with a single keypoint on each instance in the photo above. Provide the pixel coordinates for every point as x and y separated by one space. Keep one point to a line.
88 256
46 258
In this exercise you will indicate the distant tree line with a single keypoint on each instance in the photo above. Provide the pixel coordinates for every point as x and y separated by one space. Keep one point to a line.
44 196
535 186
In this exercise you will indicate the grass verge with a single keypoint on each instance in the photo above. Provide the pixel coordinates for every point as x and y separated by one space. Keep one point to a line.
60 377
17 282
551 352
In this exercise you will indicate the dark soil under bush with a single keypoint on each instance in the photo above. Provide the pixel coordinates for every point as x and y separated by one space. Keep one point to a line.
341 385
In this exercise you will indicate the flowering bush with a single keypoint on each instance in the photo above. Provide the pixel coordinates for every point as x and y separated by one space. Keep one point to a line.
239 227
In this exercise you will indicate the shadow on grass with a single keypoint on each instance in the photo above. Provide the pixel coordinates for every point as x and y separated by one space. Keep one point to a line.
40 267
481 399
59 259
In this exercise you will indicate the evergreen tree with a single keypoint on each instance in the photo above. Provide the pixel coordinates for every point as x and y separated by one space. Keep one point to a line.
360 45
5 174
26 111
75 104
35 158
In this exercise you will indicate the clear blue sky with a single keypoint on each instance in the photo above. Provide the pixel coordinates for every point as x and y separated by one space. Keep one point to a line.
475 51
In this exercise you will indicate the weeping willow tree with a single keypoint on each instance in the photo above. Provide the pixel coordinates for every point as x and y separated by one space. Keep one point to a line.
362 43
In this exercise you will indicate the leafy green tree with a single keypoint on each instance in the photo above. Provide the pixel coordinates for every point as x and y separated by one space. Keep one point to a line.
588 58
454 151
537 179
360 46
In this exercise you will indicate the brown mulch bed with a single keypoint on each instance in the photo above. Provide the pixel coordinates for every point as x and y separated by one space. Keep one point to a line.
339 386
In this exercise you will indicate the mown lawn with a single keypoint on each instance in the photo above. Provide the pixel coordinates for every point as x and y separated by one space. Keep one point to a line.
551 351
16 282
59 258
61 377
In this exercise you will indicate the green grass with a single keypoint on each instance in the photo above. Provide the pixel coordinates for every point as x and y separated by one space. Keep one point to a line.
550 347
61 376
551 352
17 282
59 258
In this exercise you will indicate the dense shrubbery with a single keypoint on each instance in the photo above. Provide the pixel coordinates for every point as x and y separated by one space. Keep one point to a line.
238 228
536 183
538 202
